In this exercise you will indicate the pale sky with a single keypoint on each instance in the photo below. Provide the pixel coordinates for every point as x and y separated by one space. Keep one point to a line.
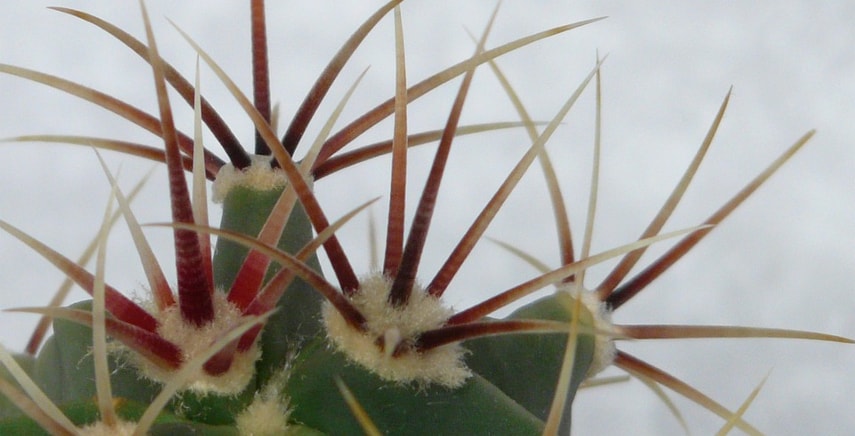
784 259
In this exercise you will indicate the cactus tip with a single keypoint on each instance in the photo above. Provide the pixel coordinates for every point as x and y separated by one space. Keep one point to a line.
257 176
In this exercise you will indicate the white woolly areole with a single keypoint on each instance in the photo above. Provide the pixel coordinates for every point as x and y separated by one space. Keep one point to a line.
397 325
258 176
268 413
122 428
604 346
194 340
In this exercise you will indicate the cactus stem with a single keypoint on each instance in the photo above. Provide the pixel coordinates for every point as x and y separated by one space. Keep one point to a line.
564 392
268 296
259 177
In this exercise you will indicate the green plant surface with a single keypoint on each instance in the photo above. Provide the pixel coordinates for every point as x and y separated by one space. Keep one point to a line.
528 364
286 327
788 242
477 406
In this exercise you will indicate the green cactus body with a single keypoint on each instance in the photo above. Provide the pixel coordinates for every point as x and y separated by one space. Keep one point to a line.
256 339
526 367
492 403
245 210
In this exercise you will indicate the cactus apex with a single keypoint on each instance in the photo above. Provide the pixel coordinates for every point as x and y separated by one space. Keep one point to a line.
259 176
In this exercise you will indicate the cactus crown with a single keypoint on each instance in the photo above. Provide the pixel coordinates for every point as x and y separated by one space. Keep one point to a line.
255 339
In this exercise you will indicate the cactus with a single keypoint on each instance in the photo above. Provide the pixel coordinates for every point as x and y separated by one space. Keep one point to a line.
256 337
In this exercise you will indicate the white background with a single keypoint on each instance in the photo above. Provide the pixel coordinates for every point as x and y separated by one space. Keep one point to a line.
784 259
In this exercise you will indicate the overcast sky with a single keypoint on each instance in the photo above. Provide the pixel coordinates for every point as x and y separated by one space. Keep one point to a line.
784 259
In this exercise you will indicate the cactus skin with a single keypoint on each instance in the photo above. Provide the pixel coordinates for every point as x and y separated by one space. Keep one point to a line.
245 210
510 392
526 367
64 367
